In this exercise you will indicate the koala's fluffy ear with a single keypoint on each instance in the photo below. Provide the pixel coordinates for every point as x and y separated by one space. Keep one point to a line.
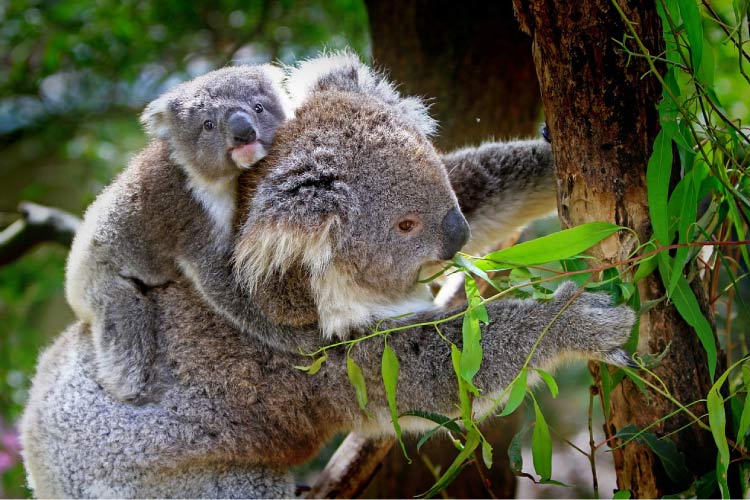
277 77
296 217
343 71
155 118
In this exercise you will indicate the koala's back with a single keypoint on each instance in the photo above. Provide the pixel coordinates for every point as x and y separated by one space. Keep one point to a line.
78 441
134 228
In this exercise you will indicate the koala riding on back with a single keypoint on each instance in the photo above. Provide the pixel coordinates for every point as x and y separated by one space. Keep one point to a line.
170 213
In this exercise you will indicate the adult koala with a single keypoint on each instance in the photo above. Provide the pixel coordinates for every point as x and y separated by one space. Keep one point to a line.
340 217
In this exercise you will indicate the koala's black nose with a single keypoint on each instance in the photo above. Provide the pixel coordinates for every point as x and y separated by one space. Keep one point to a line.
241 128
456 231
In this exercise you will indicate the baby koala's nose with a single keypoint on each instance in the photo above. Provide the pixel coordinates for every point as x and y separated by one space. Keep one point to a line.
241 128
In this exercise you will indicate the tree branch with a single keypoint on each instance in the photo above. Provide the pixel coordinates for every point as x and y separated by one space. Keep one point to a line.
351 468
38 224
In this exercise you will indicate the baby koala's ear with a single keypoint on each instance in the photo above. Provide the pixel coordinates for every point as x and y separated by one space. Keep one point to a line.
155 118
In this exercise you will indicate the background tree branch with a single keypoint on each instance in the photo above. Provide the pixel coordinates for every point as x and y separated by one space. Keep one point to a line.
38 224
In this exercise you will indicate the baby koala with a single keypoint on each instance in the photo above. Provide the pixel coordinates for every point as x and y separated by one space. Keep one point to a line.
170 214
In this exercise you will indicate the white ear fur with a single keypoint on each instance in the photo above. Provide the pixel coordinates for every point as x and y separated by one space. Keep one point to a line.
345 72
278 75
155 117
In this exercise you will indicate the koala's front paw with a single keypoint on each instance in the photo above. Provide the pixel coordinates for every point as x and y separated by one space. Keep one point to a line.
592 326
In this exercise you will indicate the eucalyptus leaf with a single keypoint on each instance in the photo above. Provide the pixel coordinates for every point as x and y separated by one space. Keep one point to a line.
517 393
691 18
390 369
556 246
687 305
541 445
550 381
358 382
314 368
658 172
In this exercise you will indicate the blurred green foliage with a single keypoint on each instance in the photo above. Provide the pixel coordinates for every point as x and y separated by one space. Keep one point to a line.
74 76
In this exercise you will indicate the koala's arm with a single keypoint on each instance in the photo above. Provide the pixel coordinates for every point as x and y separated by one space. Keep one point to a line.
502 186
589 328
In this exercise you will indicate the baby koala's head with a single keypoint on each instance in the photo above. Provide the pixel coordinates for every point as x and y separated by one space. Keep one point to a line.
221 122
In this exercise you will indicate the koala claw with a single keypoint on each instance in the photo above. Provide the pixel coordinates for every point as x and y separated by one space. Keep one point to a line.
619 357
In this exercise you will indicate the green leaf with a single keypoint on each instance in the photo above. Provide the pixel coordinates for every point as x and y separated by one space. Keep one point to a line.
358 382
556 246
574 264
621 495
665 449
740 8
390 370
633 376
541 445
441 420
717 421
313 368
550 381
744 420
657 181
687 305
707 69
691 18
517 393
471 354
486 453
688 214
463 394
671 458
515 458
450 424
464 263
647 265
472 441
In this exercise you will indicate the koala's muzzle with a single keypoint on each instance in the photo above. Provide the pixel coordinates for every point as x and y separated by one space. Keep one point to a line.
456 232
241 128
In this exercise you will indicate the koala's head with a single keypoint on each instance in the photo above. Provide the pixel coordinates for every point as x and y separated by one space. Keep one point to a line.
221 122
356 194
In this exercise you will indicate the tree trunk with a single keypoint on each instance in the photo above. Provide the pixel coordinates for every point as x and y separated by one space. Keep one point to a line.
601 112
475 65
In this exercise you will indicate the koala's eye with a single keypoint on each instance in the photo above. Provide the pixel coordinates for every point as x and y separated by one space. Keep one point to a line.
208 125
258 108
406 225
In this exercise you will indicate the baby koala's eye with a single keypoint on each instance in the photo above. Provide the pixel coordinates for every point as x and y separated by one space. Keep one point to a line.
258 108
208 125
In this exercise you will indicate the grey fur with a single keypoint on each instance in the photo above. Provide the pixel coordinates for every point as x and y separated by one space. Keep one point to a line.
502 186
170 212
233 409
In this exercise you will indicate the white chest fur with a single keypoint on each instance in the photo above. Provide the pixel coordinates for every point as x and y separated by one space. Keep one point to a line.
219 199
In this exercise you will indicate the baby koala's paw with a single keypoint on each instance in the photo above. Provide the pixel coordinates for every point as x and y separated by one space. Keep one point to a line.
592 326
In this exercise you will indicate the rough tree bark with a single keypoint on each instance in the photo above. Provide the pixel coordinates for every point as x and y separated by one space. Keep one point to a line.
602 116
475 65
